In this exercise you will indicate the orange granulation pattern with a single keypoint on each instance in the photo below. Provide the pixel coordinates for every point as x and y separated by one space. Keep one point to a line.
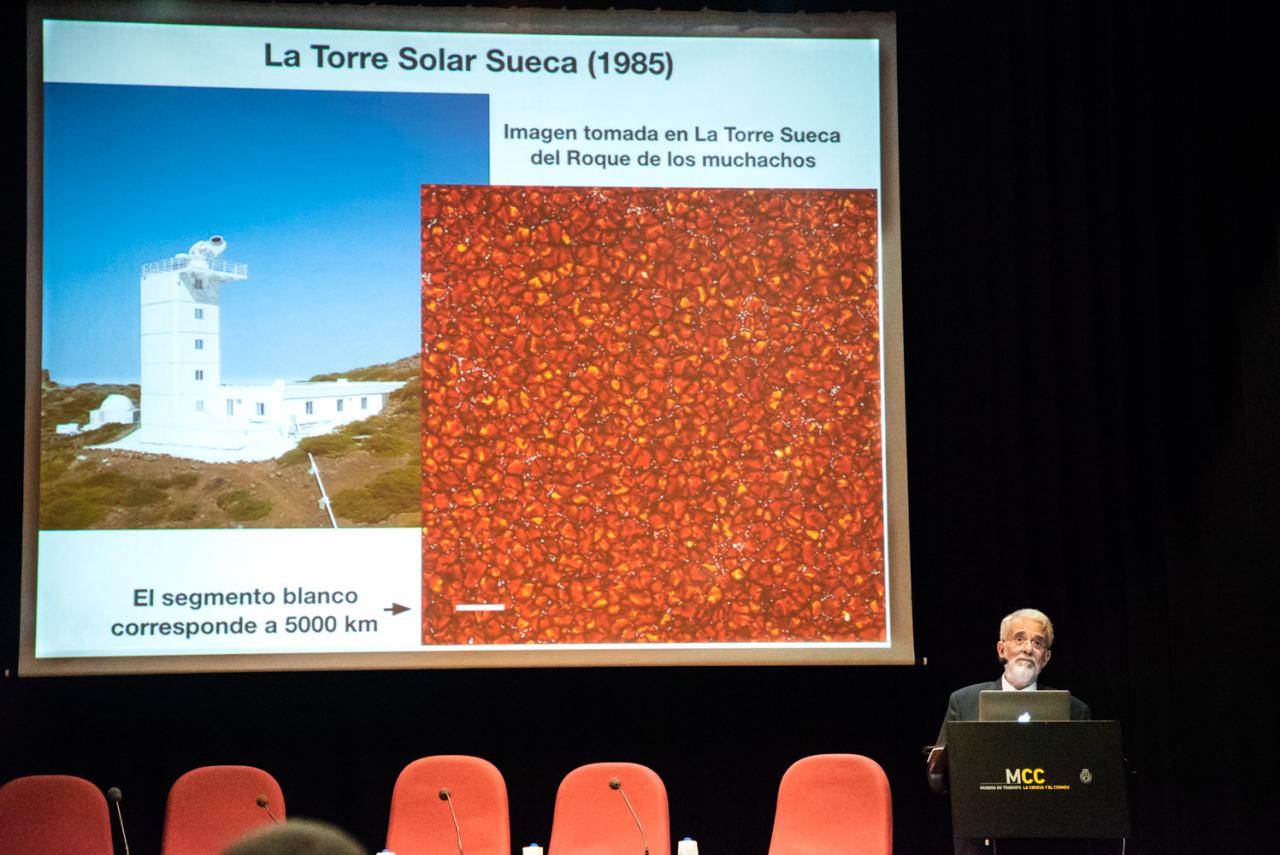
651 415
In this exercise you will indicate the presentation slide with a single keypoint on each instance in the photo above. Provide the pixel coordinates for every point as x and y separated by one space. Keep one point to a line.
387 348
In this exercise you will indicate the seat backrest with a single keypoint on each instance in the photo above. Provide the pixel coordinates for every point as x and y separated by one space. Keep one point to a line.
53 815
833 804
591 817
420 822
211 807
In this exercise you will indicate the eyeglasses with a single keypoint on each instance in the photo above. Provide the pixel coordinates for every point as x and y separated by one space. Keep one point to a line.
1036 641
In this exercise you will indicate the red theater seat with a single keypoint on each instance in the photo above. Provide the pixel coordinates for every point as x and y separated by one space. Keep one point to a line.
833 804
591 817
53 815
420 822
211 807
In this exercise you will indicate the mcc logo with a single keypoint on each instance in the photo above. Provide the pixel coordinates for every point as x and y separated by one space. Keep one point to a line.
1024 776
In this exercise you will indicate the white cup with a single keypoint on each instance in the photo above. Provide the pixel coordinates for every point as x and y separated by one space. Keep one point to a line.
688 846
531 849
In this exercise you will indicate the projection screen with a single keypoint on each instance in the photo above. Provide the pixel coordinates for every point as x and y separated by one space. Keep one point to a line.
457 338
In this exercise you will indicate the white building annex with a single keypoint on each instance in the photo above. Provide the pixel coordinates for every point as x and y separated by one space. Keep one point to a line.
115 409
186 411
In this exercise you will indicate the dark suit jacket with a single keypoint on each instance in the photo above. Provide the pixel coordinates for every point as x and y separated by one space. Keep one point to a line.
963 706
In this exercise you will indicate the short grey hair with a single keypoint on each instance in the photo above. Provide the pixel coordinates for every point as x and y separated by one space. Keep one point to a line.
1029 614
297 837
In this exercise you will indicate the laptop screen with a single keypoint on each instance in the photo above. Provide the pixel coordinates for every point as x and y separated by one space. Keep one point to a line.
1046 705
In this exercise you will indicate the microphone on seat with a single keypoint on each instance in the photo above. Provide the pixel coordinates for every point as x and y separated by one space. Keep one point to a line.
446 796
616 784
262 803
114 796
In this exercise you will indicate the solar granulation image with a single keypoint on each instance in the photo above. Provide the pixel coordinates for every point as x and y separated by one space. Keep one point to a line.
650 416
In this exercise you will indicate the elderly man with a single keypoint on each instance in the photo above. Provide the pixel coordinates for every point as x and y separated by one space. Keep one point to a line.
1024 649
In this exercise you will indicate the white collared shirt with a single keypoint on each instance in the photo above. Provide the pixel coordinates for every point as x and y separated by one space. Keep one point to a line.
1008 687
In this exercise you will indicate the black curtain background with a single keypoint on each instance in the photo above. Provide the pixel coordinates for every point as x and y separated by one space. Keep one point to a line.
1089 241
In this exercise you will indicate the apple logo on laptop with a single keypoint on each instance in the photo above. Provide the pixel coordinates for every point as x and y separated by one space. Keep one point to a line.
1024 717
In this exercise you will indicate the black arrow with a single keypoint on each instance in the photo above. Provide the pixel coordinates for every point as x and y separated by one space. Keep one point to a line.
396 609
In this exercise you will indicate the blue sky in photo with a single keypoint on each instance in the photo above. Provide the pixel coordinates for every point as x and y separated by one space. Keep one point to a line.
318 192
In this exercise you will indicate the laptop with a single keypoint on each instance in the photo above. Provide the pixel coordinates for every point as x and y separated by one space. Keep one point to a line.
1046 705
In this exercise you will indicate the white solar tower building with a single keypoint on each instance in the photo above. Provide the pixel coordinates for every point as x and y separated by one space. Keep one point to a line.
181 346
187 411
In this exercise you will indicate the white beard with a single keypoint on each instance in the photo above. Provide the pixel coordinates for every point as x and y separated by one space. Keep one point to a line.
1020 674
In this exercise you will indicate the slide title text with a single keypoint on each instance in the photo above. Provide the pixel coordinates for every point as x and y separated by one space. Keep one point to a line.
598 63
